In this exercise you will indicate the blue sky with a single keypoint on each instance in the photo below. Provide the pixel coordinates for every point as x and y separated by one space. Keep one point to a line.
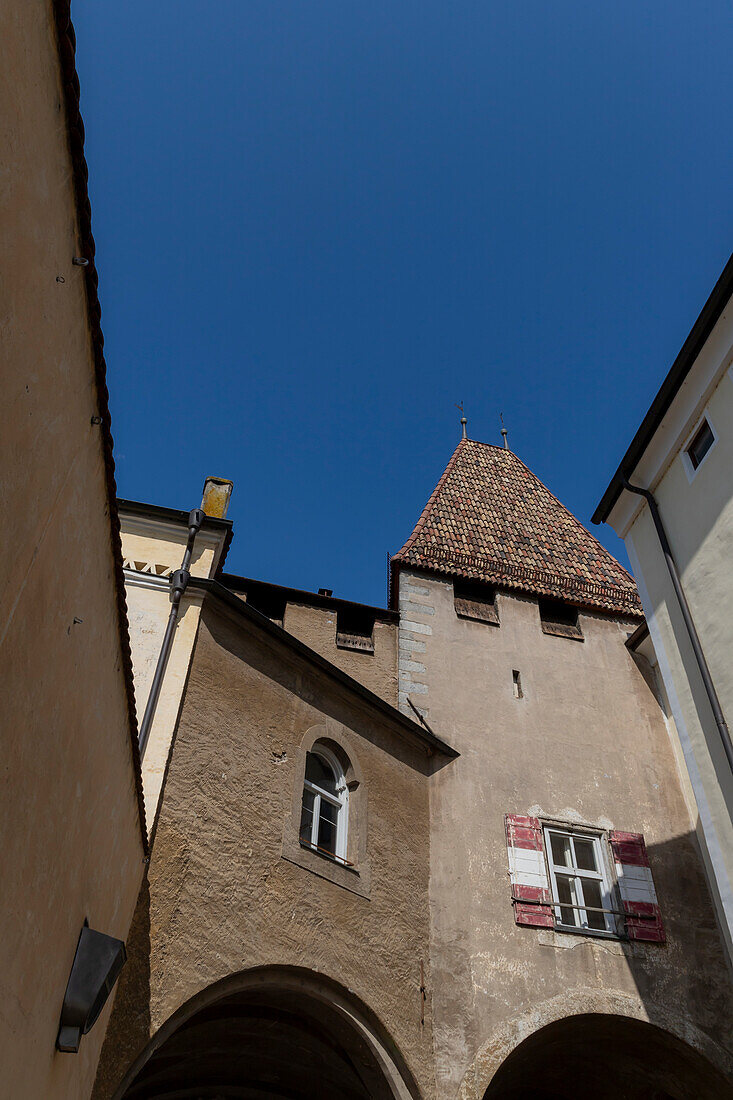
321 224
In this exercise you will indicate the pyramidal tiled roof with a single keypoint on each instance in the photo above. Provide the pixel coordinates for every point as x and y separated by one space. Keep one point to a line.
490 519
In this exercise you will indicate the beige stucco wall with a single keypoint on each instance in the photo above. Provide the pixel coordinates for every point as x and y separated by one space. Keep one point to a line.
316 627
588 744
72 844
153 549
224 898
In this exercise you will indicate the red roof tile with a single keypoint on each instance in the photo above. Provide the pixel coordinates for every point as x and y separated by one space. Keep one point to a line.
490 519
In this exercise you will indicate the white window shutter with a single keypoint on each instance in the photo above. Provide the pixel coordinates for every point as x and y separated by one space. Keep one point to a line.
528 871
636 886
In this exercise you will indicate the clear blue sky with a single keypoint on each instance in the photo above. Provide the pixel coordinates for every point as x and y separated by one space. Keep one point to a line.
321 223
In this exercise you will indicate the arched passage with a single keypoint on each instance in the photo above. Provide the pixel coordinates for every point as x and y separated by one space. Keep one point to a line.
609 1058
275 1033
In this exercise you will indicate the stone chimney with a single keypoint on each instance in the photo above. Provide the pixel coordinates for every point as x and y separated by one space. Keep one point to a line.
217 494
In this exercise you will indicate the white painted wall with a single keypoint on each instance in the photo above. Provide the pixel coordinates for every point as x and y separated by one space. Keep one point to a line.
697 512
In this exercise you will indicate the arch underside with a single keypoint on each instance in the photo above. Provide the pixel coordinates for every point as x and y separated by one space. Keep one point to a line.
276 1033
608 1058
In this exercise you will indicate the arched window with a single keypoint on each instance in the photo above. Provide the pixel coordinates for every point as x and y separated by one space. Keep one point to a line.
325 810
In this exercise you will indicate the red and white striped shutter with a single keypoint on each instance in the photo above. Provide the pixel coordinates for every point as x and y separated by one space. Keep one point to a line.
530 888
636 886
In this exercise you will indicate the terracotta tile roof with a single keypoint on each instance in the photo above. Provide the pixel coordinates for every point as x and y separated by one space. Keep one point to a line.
490 519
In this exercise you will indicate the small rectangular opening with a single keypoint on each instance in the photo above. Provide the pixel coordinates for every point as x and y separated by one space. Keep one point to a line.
560 618
476 601
517 683
268 601
701 443
355 629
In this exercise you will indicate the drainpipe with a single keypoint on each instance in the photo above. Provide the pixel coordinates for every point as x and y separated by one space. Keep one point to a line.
687 616
179 584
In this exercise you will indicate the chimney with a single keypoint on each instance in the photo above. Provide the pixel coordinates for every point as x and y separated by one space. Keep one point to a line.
217 494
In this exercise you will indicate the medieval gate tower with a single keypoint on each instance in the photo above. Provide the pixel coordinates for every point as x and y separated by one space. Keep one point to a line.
440 849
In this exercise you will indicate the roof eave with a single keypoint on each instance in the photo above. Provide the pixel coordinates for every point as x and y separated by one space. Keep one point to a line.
708 318
430 743
66 43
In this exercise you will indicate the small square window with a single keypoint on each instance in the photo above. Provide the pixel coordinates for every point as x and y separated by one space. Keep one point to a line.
701 443
475 601
560 618
581 893
355 629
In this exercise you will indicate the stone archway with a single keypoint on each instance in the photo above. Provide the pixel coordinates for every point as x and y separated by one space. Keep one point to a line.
521 1053
275 1033
607 1057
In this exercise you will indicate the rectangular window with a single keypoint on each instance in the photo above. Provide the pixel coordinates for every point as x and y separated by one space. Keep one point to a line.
355 629
560 618
581 892
475 601
701 443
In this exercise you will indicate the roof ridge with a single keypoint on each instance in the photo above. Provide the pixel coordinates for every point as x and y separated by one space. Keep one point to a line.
431 500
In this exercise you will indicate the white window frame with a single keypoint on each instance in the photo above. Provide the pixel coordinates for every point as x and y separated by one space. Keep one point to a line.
341 802
691 470
579 875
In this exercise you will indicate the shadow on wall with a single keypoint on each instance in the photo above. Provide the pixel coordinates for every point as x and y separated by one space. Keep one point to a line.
609 1058
672 1041
129 1025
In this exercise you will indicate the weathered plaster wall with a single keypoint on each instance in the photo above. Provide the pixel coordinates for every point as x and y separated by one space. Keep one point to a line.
72 844
586 743
378 671
222 897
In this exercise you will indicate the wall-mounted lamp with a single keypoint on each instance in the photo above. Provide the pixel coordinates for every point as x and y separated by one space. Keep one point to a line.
96 967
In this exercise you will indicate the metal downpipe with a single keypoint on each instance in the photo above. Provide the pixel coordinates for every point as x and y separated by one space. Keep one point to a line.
687 616
179 584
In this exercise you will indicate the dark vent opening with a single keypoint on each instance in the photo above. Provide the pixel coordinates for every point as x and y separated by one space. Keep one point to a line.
475 601
267 601
355 629
560 618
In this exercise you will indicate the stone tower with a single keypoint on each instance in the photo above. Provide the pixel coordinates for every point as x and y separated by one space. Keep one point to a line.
514 646
433 851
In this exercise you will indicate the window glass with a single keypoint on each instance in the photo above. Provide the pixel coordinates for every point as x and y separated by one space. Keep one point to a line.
320 774
701 444
306 816
585 857
592 896
325 805
566 894
327 826
560 849
581 893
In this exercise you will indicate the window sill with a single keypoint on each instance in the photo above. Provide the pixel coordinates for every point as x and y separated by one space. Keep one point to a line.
355 643
328 855
325 866
593 933
560 631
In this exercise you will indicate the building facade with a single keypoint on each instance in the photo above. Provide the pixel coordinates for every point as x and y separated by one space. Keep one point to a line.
443 849
679 536
71 817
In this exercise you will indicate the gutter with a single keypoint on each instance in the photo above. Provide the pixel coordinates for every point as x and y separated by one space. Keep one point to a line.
430 743
687 617
179 583
693 345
